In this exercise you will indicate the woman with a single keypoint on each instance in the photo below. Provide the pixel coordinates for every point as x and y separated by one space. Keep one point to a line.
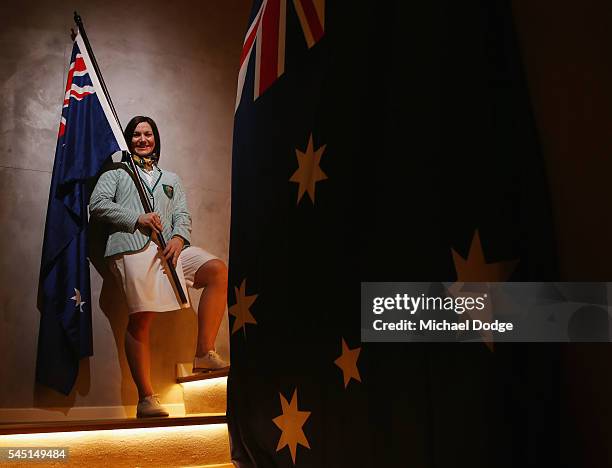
138 262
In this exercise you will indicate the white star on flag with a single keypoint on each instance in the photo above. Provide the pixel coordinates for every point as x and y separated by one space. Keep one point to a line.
77 299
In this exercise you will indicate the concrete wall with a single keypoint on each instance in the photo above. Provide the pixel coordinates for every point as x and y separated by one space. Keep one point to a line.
174 61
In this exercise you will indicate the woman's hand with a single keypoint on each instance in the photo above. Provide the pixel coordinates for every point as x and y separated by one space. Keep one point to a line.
173 249
150 221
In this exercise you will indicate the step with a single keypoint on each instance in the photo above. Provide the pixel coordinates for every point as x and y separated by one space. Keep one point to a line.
185 374
203 392
222 465
195 441
109 424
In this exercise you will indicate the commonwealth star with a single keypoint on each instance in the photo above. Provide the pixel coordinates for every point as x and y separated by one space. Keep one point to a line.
290 423
476 269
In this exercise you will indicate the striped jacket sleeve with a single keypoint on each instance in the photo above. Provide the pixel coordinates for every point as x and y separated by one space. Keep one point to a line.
103 207
181 219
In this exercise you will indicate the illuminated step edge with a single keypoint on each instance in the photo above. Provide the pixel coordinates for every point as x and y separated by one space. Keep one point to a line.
109 424
194 442
184 373
222 465
27 415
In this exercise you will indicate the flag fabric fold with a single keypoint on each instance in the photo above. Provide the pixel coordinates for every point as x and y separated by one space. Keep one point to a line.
88 135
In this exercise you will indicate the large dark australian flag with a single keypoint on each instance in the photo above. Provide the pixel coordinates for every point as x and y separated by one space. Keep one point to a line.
383 141
88 136
295 396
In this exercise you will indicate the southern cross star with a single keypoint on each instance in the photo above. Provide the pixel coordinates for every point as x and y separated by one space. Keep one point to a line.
309 172
77 299
348 363
241 309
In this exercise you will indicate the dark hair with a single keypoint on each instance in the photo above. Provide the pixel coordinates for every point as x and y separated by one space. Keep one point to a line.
131 126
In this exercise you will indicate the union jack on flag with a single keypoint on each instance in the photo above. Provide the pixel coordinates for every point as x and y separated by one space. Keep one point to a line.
78 85
267 34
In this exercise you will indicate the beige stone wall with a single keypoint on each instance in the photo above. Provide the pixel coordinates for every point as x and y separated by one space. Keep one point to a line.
174 61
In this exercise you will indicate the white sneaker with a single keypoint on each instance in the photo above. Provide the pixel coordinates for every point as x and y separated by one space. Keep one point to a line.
210 361
149 407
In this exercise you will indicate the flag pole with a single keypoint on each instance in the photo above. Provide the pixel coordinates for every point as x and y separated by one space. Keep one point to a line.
146 204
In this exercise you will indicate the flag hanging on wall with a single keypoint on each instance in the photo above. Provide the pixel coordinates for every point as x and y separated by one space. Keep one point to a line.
382 142
88 135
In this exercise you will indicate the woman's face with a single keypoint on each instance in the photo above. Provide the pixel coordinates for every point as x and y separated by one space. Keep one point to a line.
143 140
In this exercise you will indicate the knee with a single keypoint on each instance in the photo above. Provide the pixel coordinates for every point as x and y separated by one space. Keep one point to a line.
218 272
212 272
139 324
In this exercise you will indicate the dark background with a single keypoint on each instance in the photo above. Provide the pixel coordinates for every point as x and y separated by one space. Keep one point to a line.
495 116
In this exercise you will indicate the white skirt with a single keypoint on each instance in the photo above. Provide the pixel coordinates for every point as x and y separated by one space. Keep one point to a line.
145 284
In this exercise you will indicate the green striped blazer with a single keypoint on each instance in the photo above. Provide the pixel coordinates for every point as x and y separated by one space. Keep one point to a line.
115 201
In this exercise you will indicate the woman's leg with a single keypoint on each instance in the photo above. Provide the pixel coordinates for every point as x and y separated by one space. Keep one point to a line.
212 276
138 351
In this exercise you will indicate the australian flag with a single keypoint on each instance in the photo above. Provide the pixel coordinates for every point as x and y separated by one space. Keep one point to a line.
383 141
295 383
88 136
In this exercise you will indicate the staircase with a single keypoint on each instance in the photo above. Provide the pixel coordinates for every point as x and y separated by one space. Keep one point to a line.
197 440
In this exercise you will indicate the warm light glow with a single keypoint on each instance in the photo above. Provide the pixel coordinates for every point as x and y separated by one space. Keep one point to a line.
204 384
203 444
206 430
222 465
205 396
174 393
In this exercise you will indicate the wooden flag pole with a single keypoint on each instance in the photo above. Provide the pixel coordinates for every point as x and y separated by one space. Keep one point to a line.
146 204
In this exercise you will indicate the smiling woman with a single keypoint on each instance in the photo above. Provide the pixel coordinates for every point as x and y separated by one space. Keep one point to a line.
134 256
143 141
